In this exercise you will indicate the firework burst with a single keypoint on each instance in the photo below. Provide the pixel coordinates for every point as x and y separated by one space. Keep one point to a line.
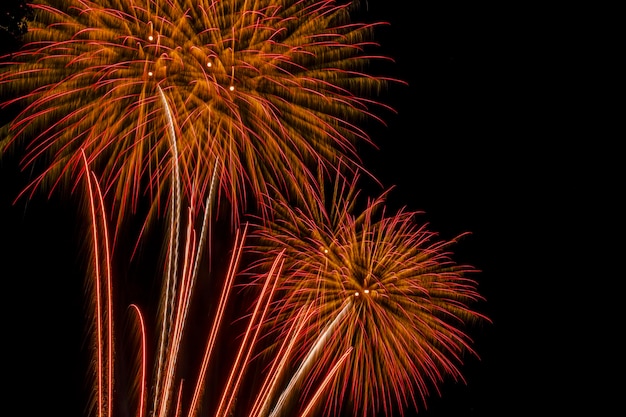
265 86
405 303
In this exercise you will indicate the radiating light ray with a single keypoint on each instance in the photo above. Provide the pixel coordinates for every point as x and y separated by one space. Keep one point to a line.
308 361
270 385
325 383
217 319
252 331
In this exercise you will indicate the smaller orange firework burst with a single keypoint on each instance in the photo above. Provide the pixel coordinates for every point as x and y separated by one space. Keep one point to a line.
408 302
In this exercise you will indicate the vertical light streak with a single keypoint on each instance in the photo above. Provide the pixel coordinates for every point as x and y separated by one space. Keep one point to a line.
179 400
96 246
144 360
217 320
180 308
109 293
191 260
266 393
203 233
94 192
171 277
238 368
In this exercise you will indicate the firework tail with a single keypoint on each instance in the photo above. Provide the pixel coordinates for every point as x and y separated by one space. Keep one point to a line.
104 305
309 360
172 264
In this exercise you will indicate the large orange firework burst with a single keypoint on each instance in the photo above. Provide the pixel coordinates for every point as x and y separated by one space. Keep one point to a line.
403 304
263 86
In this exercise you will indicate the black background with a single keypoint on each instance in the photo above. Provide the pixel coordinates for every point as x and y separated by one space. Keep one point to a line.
503 131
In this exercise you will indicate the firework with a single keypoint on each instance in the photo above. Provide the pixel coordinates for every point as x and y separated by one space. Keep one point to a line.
264 86
405 304
160 390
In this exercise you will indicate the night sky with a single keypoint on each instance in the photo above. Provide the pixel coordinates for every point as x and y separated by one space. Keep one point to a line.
490 137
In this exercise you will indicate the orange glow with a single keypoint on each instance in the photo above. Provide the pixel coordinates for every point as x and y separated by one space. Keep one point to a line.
411 303
266 87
